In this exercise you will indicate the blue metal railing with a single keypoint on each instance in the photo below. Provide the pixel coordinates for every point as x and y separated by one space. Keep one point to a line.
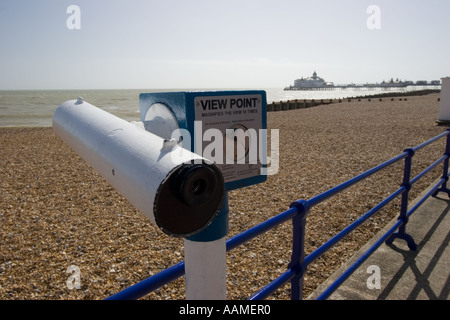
298 212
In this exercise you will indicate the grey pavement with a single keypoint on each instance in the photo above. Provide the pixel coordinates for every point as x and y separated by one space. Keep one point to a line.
394 272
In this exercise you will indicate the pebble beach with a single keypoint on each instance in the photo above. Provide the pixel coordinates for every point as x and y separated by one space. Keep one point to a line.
57 212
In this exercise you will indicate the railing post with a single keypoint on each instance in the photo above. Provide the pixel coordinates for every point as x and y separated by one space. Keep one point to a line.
298 248
404 205
444 188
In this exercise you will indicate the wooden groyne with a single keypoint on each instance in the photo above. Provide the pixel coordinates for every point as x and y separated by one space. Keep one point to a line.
308 103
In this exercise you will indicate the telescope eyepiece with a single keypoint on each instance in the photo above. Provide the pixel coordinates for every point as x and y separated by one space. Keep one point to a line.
196 184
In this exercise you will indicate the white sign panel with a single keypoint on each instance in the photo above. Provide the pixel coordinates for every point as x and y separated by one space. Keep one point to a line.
230 133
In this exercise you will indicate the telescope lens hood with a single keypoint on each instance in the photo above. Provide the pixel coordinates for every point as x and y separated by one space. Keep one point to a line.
189 199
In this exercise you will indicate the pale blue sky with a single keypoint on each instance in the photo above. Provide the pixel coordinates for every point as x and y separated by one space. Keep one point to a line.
219 44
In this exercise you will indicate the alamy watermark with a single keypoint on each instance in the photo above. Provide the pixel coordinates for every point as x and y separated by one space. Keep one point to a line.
73 22
74 281
373 22
374 281
234 146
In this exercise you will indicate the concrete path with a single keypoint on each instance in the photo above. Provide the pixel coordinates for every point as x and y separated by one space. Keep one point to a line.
393 272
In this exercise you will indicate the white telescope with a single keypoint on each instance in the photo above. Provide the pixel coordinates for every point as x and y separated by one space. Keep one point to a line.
180 192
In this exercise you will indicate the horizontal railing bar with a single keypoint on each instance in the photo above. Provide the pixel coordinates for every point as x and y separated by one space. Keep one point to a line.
410 212
420 146
420 175
154 282
260 228
327 194
274 285
327 292
330 243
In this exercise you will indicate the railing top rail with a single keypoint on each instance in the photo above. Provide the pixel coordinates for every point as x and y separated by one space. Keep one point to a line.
339 188
333 191
420 146
347 230
154 282
253 232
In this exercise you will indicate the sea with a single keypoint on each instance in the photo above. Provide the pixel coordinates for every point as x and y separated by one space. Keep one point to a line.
35 108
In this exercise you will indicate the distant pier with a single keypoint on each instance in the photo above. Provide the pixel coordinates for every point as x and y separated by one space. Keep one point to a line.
317 83
361 87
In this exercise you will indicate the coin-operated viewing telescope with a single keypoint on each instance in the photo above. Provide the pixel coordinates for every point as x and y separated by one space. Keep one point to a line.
177 164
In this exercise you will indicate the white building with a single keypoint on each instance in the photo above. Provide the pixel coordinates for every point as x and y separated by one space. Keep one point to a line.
311 82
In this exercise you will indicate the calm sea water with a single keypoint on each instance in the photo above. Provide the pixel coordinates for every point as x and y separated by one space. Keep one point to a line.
36 108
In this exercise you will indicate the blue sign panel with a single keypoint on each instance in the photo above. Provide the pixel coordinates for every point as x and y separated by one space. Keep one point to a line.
226 127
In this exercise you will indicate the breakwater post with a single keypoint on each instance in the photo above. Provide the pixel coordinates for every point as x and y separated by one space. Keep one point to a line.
308 103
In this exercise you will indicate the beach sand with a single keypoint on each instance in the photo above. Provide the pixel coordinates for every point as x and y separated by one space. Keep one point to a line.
57 212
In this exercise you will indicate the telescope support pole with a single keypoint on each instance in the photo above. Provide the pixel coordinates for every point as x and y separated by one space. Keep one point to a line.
205 260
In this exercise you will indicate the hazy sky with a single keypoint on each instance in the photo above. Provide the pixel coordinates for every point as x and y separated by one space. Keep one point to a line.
219 43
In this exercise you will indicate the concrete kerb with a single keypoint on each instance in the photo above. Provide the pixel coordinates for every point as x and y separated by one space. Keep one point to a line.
404 274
